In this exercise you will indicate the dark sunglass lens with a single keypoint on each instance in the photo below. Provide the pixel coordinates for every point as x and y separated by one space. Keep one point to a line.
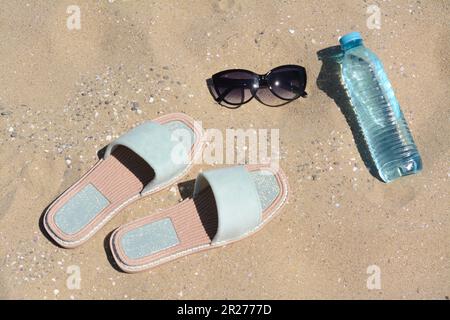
235 87
266 96
287 82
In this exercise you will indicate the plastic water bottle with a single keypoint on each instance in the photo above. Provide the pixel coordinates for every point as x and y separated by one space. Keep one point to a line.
378 113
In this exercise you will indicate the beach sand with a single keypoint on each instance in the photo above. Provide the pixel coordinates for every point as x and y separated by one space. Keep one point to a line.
64 94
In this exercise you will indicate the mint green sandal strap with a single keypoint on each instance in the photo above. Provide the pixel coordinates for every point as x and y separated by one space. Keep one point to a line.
237 200
154 143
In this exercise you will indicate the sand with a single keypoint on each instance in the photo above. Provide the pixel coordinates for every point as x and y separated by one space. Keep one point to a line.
64 94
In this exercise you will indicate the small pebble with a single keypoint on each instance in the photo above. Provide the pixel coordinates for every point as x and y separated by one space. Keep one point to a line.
134 106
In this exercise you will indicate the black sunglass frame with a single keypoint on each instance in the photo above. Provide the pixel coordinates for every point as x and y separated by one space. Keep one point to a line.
262 82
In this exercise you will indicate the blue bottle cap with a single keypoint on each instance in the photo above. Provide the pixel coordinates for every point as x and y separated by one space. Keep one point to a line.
349 37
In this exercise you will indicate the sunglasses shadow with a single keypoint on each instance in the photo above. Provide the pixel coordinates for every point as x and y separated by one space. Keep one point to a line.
330 82
214 94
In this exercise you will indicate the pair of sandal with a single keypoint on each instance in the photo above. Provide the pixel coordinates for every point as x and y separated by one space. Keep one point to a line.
228 204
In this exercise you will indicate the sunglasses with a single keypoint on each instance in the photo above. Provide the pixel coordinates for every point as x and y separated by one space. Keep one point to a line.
232 88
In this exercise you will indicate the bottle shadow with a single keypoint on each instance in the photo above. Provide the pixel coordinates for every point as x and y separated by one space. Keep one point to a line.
330 82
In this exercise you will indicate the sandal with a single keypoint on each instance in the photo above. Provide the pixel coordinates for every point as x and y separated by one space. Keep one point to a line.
228 205
141 162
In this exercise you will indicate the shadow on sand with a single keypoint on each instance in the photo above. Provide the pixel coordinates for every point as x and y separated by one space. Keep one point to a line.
329 81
